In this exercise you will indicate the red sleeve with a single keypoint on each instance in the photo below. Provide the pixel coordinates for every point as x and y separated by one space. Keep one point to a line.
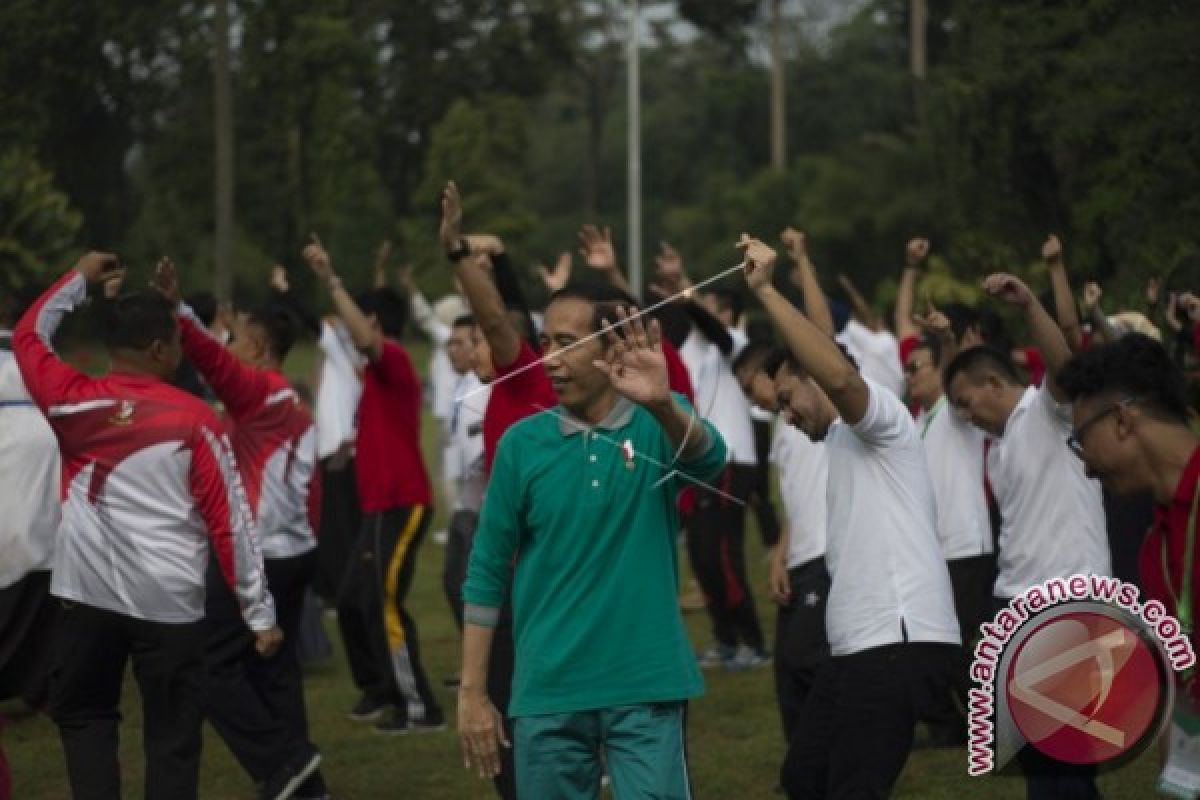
49 380
394 366
241 388
221 501
529 382
677 373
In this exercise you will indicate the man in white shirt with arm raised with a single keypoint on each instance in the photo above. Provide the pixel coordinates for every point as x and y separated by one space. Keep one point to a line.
890 618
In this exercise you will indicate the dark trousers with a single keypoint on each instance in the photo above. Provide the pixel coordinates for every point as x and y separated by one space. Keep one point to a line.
760 497
971 580
257 704
1047 779
341 522
91 651
800 643
379 634
856 729
28 618
499 684
458 551
716 546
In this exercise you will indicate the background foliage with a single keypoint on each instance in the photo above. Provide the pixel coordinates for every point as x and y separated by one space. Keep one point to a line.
1077 117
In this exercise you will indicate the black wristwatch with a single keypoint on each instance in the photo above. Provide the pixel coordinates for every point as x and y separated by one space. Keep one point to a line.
460 251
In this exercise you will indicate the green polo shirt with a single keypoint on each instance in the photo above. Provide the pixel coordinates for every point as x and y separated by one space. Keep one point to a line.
596 617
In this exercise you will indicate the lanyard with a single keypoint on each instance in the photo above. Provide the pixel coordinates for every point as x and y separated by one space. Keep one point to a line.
1183 602
933 412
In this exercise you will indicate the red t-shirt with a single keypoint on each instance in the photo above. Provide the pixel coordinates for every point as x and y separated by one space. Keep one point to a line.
1171 521
514 398
391 472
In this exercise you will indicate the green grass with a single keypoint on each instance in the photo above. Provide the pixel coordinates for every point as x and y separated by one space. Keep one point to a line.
734 735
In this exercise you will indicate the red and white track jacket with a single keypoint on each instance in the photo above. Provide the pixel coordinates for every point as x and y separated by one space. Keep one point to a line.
149 483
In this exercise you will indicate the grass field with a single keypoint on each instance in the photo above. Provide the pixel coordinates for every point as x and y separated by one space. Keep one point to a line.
734 735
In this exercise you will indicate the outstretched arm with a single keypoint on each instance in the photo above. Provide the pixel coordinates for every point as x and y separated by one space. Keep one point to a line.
1102 329
816 352
862 309
804 277
1064 300
1047 336
366 336
914 256
482 295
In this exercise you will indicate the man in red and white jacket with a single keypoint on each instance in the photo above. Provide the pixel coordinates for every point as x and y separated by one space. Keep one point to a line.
257 705
150 484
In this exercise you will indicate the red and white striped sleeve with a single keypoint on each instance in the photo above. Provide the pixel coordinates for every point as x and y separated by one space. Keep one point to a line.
241 388
221 500
49 380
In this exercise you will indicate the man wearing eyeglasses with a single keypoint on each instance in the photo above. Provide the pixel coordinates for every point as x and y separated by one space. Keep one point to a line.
1132 433
1052 514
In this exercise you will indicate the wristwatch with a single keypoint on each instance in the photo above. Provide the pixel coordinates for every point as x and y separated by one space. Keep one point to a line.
460 251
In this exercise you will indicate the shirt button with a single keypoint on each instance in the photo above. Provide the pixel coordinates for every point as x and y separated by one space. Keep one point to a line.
592 458
595 484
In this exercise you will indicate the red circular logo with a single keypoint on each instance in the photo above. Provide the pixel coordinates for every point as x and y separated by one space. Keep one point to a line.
1085 688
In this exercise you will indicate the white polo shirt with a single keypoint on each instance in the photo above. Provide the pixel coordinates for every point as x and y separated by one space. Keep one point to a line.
719 397
877 354
464 461
803 473
1052 514
338 390
890 582
29 479
954 449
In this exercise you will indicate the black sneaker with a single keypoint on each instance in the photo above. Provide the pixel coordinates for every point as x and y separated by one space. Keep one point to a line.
313 788
399 725
367 709
294 772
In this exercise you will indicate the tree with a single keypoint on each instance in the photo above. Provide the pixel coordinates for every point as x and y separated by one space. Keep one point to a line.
37 224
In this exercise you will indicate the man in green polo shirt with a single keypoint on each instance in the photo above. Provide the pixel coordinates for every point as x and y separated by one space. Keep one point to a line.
579 524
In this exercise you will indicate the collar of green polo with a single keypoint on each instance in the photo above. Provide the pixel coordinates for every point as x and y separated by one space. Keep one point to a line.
618 417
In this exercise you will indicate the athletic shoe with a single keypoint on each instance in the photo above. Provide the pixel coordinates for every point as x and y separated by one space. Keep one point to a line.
367 709
746 658
313 788
288 778
716 656
398 725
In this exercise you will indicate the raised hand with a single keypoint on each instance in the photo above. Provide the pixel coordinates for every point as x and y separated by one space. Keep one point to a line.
486 243
1052 250
597 249
317 259
1008 288
1091 295
635 364
100 268
166 281
915 252
450 230
557 277
934 323
759 263
795 242
279 279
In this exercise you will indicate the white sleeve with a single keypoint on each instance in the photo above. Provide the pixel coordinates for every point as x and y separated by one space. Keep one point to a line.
423 315
886 420
1058 414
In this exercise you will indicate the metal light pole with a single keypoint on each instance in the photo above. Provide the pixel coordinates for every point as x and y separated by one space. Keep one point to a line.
635 152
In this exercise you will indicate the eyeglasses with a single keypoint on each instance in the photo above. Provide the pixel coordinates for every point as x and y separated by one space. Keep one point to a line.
1075 440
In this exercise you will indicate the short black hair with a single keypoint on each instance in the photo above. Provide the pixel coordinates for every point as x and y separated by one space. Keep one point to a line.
464 321
604 300
279 326
388 306
753 356
135 321
931 343
962 318
993 331
729 300
204 306
974 360
1133 366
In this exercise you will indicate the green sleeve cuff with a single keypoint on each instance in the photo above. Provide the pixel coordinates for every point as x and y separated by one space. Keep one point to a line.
486 616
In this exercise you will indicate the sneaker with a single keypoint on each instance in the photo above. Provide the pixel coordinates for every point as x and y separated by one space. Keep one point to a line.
716 655
288 778
746 658
399 725
367 709
313 788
